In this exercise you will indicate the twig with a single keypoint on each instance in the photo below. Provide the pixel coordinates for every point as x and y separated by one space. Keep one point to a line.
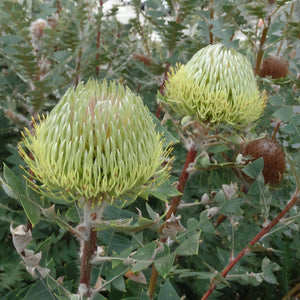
92 213
190 158
266 229
260 52
285 29
98 41
211 16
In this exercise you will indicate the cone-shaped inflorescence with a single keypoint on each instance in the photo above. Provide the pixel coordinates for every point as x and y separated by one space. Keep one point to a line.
98 142
273 155
216 85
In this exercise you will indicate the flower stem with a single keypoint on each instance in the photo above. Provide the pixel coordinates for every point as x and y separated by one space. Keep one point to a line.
190 158
92 215
266 229
260 52
89 248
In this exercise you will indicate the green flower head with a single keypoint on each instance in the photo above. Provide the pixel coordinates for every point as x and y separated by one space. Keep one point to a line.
98 142
216 85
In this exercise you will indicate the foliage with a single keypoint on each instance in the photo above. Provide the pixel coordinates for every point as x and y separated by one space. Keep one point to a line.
82 40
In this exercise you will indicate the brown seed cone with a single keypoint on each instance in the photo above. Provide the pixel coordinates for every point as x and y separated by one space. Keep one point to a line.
273 155
275 67
142 59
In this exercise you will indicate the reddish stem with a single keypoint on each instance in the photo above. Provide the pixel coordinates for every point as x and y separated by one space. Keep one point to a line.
98 43
233 262
190 158
162 90
89 248
211 16
261 45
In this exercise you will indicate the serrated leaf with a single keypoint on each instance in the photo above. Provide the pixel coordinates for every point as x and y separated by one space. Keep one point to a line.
8 190
268 268
284 113
124 225
153 215
169 139
39 291
164 261
164 191
231 206
32 209
72 215
205 224
144 255
12 181
253 169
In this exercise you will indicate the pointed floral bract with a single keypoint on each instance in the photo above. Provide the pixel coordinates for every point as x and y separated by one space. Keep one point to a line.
216 85
99 141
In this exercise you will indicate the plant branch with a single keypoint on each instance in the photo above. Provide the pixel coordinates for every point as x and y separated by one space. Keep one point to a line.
260 52
285 29
211 16
98 41
92 212
266 229
190 158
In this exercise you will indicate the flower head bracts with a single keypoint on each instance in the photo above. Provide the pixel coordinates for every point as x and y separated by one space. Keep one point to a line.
216 85
98 142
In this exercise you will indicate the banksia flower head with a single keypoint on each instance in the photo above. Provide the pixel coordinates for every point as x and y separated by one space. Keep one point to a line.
98 142
216 85
273 155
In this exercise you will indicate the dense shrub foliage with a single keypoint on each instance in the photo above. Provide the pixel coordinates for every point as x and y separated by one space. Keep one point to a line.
144 251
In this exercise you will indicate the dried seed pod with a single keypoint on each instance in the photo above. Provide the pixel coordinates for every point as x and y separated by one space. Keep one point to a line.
142 59
216 85
275 67
273 155
98 142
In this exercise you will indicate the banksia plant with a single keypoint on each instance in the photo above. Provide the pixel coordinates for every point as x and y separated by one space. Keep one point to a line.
273 155
216 86
275 67
98 142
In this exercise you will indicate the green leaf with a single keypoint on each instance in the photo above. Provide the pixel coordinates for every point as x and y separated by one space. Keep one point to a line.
164 261
232 206
153 215
167 292
31 205
190 246
268 268
116 275
8 190
143 296
205 224
284 113
217 149
30 201
72 215
224 256
39 291
164 191
169 138
253 169
144 255
12 181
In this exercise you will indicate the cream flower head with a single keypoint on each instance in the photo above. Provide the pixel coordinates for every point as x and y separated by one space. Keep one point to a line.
98 142
216 85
